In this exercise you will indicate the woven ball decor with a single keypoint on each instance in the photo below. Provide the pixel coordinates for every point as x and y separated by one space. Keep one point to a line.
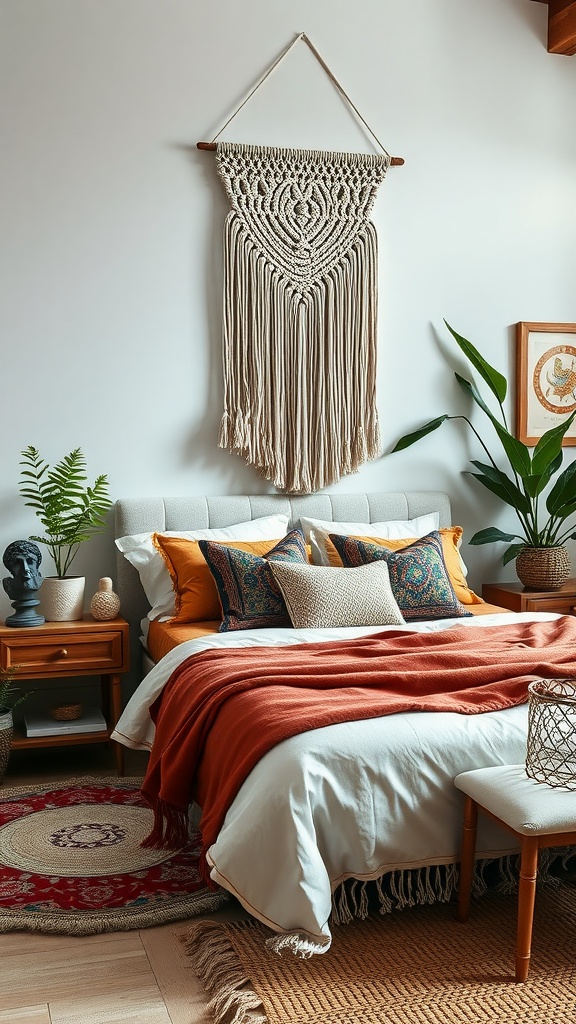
543 568
66 712
105 604
551 746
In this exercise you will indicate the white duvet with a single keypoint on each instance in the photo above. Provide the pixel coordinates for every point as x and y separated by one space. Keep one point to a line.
354 800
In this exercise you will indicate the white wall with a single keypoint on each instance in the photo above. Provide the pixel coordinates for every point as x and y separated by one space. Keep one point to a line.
111 222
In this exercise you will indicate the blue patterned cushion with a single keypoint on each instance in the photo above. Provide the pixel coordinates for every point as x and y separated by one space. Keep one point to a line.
248 592
418 575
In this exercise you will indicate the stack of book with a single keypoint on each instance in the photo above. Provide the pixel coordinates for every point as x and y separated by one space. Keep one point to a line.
37 724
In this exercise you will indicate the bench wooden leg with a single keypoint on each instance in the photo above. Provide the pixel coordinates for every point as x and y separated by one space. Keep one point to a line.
526 899
469 829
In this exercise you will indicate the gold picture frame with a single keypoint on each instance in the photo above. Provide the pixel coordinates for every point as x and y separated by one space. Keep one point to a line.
545 379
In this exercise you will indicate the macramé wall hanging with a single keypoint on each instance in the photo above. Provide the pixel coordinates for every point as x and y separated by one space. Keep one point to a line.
300 307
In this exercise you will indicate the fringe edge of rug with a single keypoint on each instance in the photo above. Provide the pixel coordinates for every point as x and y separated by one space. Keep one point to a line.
219 968
122 782
84 923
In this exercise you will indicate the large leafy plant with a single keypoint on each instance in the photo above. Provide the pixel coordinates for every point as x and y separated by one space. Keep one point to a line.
70 510
529 472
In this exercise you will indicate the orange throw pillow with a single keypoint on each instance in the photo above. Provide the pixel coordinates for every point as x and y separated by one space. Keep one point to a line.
451 537
196 596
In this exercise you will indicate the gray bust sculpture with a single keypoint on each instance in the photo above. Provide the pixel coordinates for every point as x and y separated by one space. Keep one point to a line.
23 558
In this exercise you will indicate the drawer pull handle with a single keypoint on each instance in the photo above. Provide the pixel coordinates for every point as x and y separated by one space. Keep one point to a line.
63 653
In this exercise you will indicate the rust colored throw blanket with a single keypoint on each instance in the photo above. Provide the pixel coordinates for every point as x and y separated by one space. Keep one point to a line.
222 710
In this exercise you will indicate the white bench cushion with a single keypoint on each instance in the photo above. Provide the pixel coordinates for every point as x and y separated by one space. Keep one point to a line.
529 807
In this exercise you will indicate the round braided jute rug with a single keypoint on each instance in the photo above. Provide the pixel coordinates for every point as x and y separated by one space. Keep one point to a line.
71 861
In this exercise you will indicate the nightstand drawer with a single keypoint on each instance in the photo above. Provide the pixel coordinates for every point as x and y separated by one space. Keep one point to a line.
62 654
562 606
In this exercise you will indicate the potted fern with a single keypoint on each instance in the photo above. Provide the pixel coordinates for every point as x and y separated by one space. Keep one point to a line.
71 512
9 699
542 560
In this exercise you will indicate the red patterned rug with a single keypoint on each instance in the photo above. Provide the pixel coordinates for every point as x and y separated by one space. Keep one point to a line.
71 861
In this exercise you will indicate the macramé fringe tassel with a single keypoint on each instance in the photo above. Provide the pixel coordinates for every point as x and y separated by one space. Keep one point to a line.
300 367
296 943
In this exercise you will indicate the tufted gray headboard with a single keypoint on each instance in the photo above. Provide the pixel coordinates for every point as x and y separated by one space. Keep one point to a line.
146 515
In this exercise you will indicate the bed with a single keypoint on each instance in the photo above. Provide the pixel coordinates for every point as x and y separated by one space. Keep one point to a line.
328 817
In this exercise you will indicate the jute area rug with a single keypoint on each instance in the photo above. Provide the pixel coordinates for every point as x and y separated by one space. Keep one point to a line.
418 966
71 861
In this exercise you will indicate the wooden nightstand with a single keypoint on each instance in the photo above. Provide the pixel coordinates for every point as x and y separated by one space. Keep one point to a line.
517 599
57 650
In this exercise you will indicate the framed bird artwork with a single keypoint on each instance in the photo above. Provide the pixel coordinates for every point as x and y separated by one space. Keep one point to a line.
545 379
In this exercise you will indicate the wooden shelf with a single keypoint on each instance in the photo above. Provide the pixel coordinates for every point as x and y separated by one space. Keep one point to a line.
22 742
561 26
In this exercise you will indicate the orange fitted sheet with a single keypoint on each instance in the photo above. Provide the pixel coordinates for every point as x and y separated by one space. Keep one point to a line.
485 609
164 636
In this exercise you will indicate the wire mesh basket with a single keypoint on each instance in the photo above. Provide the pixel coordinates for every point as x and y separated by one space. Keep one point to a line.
551 746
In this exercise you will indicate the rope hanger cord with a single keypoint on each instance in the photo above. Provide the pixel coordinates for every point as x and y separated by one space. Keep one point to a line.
395 161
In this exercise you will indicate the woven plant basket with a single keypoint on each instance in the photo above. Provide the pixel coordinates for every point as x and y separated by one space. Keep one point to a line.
551 746
543 568
6 732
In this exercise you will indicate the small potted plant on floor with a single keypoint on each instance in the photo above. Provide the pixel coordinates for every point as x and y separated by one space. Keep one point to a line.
542 560
9 699
71 512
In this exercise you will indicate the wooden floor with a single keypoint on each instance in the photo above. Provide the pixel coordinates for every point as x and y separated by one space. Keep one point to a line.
135 977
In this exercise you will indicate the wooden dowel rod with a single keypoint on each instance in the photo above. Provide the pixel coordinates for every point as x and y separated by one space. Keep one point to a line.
396 161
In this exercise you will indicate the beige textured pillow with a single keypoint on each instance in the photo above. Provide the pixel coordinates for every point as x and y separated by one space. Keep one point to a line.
320 596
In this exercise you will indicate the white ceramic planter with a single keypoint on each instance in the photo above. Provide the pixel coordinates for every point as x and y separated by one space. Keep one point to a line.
62 599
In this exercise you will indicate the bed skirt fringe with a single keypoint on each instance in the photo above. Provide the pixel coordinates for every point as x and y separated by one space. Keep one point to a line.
410 887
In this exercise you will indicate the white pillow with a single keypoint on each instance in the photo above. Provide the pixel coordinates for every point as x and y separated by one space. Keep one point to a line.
140 551
319 596
317 530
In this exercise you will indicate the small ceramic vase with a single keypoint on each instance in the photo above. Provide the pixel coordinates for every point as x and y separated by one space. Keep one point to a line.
105 604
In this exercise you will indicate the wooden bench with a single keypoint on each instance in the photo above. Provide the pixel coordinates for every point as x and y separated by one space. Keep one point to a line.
538 815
